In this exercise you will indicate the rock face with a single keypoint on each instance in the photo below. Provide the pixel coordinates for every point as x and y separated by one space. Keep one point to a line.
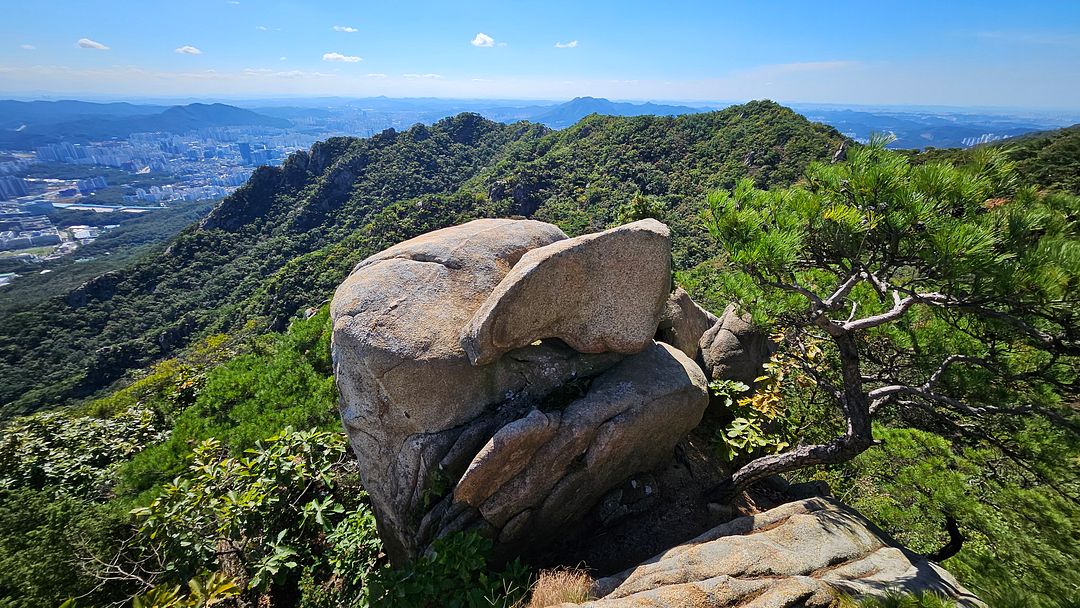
535 432
598 293
683 323
803 553
541 472
733 349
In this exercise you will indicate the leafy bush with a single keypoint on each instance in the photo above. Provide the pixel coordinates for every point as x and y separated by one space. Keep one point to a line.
283 380
258 517
73 455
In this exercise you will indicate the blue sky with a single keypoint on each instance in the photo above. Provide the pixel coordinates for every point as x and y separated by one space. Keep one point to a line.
947 52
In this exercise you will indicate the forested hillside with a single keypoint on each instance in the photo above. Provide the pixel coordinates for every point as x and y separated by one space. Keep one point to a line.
284 240
1049 159
186 426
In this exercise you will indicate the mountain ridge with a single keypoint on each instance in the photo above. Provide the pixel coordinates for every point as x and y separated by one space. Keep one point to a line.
566 114
284 240
29 124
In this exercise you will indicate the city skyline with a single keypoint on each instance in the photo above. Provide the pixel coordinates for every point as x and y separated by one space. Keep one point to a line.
969 54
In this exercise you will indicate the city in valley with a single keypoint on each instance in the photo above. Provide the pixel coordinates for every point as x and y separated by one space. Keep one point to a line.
72 171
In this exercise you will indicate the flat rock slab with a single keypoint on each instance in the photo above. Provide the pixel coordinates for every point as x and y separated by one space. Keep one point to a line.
804 553
601 292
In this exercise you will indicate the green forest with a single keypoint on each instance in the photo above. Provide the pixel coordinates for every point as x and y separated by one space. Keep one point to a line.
170 433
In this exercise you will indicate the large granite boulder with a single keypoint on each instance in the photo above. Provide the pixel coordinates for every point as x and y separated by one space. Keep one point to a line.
601 292
414 407
683 323
804 554
733 349
529 436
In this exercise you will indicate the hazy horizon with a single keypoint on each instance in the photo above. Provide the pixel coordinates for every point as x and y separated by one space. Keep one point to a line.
991 54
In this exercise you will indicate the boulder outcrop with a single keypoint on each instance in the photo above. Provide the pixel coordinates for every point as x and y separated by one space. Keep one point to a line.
803 553
545 470
448 443
413 405
499 376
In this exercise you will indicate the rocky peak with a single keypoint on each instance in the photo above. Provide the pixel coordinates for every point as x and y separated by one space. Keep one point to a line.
498 376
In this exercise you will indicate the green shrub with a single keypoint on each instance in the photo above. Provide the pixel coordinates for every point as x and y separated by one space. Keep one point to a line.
261 516
454 575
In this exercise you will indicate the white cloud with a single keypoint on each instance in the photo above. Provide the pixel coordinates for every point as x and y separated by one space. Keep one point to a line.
345 28
187 49
261 28
87 43
340 58
376 75
27 47
282 58
483 40
566 45
415 76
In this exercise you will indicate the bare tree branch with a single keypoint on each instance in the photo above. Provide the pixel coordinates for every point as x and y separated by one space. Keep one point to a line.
900 306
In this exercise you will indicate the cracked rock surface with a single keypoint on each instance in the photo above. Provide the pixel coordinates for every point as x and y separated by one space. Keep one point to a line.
414 407
804 553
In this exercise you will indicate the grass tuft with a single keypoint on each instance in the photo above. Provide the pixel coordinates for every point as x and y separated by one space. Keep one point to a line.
554 587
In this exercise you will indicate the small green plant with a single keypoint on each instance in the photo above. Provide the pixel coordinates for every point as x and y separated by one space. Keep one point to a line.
454 574
202 593
760 423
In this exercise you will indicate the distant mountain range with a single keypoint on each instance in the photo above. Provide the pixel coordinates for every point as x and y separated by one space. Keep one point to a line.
922 128
567 114
24 125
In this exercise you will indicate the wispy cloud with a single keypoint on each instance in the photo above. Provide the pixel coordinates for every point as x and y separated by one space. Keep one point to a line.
27 47
345 28
338 57
87 43
566 45
483 40
187 49
262 28
283 58
415 76
376 75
